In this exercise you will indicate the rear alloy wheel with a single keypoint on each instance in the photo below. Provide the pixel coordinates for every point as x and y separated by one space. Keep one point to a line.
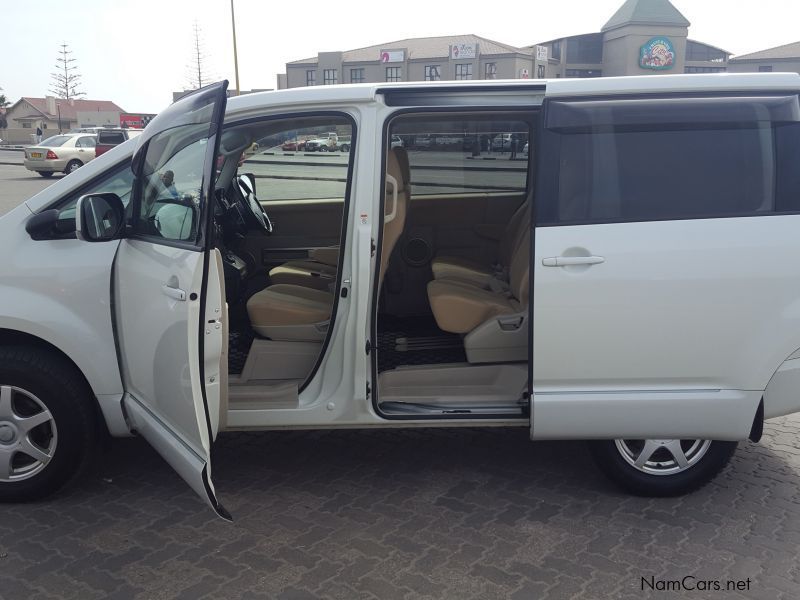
45 174
73 166
661 467
47 423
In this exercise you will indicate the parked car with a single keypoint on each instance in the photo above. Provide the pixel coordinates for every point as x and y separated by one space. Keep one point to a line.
323 144
655 315
501 142
293 145
108 138
64 153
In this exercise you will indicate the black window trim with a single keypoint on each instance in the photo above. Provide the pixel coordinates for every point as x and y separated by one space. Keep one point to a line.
345 212
536 112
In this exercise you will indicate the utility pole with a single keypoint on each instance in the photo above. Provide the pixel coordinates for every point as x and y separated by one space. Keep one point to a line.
235 56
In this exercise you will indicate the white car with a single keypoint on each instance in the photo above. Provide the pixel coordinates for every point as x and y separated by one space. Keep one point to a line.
651 307
63 153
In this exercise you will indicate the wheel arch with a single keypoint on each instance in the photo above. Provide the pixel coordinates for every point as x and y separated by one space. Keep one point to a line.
12 337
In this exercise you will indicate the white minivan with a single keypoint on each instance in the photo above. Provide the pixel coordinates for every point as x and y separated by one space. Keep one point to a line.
631 283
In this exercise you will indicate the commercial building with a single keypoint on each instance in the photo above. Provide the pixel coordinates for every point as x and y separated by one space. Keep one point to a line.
642 37
418 59
784 58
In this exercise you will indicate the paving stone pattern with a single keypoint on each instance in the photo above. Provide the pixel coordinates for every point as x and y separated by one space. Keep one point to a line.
417 514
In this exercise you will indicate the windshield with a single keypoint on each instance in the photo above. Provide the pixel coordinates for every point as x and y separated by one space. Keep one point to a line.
56 140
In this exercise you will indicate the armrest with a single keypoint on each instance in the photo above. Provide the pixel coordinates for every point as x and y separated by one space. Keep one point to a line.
327 256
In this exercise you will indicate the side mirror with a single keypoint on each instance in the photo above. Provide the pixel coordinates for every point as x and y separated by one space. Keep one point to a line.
52 224
99 217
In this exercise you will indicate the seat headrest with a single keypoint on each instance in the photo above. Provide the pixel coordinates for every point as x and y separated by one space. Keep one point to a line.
402 157
394 167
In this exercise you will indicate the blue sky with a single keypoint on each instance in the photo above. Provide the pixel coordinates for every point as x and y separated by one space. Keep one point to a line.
137 53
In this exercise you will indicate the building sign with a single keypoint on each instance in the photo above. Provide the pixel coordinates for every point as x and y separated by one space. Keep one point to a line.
462 51
658 54
392 56
541 52
139 121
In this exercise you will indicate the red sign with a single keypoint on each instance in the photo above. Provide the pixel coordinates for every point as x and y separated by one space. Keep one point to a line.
139 121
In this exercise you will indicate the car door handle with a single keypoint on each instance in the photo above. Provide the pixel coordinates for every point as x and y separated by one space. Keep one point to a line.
173 292
568 261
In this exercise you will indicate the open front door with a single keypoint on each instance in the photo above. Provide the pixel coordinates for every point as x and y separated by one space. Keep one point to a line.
169 307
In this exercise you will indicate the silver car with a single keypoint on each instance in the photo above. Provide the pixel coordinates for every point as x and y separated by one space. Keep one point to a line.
61 153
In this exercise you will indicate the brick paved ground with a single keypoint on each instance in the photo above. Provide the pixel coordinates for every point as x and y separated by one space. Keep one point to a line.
403 514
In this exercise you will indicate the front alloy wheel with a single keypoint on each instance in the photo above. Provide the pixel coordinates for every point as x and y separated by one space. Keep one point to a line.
28 434
48 426
661 467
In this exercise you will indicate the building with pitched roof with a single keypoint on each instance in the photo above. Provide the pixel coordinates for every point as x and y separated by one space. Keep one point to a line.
784 58
644 37
53 115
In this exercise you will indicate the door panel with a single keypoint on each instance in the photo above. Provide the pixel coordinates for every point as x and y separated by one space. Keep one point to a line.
298 227
689 304
665 289
168 294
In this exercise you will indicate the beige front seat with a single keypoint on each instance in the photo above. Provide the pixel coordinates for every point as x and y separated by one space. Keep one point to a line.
318 271
295 312
494 319
455 267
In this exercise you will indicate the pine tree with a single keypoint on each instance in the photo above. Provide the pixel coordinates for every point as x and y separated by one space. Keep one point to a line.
65 79
3 104
197 76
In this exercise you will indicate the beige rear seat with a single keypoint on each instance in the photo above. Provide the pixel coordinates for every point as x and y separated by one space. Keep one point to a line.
319 270
493 319
295 312
455 267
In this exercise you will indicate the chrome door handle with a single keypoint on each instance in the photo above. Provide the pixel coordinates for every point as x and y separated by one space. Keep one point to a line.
176 293
568 261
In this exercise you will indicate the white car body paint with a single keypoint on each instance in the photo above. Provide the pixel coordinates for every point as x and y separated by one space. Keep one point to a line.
59 291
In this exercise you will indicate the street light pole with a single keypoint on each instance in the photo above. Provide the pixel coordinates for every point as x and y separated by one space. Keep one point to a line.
235 56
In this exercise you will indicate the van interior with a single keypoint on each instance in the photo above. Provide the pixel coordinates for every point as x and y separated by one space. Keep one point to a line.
450 327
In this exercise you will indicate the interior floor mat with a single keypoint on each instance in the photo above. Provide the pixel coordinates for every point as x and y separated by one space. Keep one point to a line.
239 343
414 341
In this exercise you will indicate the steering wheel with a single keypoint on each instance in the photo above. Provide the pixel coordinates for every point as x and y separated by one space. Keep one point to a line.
254 213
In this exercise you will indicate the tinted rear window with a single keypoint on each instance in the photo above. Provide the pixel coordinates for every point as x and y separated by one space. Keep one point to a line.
110 137
623 168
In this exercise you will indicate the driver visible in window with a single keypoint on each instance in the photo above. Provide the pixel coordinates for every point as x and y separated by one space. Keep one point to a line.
168 179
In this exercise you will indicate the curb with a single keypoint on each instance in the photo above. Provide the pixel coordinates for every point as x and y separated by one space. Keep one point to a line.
13 164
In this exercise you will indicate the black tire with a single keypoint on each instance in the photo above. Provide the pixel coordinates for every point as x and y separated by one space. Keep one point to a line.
610 460
45 174
345 148
64 392
72 166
